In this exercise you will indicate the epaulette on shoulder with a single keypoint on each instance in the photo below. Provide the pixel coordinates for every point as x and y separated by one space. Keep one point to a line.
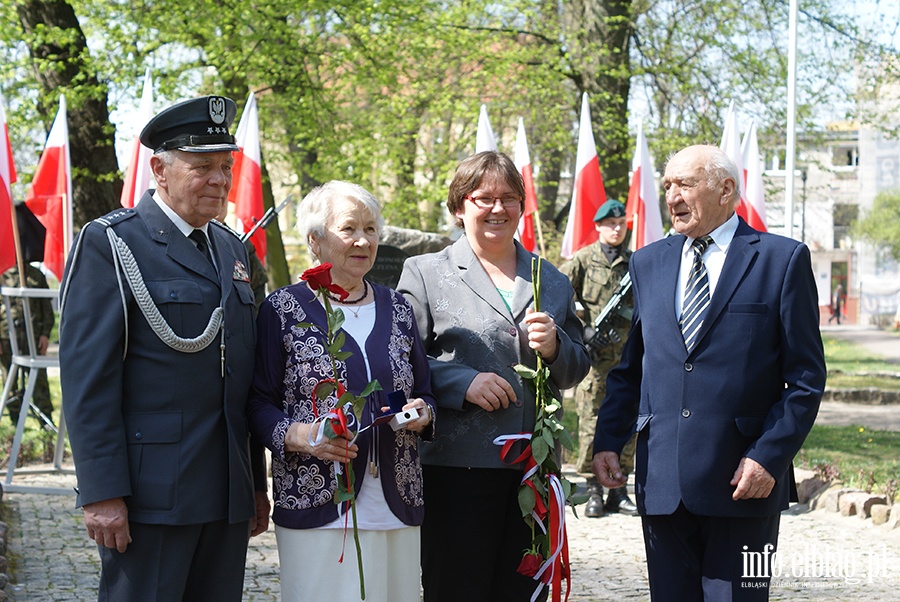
114 217
225 227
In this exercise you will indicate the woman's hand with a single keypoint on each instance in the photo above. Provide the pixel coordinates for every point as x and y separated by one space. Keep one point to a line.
542 334
425 414
490 392
298 437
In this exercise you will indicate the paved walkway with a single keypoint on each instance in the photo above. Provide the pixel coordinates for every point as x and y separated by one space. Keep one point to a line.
56 562
876 340
823 556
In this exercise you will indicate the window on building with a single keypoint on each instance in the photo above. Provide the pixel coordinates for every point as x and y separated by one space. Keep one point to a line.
844 215
845 156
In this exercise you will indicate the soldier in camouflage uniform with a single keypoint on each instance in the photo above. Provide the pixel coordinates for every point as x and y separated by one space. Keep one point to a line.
595 272
42 320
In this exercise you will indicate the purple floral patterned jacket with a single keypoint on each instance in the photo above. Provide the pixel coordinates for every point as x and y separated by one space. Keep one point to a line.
291 360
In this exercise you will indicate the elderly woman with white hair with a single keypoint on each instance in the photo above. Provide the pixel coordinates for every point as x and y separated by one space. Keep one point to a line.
342 223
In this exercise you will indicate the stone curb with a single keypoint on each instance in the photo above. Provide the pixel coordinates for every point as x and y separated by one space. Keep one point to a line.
870 396
815 493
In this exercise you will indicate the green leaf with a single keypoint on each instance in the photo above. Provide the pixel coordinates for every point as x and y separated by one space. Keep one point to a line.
525 372
338 320
342 496
371 388
547 436
305 326
526 500
539 449
577 499
337 344
323 389
565 438
554 424
342 355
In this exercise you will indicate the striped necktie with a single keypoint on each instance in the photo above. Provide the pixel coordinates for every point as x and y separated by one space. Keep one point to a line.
696 295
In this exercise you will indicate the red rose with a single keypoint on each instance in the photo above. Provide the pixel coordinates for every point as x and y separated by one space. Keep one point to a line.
530 564
319 277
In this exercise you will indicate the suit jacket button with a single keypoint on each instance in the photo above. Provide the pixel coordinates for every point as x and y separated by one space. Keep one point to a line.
685 412
139 435
688 367
173 294
512 332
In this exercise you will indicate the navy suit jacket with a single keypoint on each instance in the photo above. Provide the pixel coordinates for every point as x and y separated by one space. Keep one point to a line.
161 428
751 386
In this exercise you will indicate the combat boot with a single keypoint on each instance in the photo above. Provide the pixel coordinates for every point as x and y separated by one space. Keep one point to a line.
594 506
617 500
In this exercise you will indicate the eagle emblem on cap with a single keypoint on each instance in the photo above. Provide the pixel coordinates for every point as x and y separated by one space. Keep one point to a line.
217 109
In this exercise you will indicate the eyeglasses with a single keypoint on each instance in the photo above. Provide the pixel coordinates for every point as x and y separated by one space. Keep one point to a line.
488 202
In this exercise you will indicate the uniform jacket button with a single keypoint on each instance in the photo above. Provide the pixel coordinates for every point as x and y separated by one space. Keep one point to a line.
688 367
139 435
685 412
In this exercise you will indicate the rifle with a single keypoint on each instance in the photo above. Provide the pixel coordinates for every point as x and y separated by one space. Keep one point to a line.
266 219
602 333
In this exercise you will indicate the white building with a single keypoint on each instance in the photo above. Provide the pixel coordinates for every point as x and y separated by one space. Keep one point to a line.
839 172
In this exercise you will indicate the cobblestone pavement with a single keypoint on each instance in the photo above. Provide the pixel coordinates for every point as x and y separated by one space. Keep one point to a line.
56 562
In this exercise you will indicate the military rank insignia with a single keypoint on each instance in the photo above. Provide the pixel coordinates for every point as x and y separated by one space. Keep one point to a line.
240 272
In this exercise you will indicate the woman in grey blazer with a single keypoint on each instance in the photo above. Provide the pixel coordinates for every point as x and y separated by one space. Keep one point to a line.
473 308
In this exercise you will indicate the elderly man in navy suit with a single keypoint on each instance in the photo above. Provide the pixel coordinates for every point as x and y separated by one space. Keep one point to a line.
156 351
721 379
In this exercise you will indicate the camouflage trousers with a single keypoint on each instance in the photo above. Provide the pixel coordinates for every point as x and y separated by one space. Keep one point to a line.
41 397
589 396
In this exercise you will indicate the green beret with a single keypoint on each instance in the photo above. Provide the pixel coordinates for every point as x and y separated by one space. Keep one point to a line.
611 208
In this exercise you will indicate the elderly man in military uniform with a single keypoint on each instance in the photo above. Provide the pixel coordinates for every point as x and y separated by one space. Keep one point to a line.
595 272
157 341
42 323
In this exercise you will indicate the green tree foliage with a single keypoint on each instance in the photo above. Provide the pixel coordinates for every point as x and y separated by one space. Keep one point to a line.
387 93
880 225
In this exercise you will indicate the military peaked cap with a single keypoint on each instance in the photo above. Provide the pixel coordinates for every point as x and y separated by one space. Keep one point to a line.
199 125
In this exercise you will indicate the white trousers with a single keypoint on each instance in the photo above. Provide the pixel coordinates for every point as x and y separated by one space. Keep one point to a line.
310 569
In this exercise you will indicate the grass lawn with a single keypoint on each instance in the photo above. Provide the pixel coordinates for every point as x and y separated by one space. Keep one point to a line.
861 457
851 367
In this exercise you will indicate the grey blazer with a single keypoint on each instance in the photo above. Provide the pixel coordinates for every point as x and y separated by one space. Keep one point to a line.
467 328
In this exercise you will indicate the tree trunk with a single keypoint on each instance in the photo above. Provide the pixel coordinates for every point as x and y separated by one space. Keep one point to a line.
599 34
60 56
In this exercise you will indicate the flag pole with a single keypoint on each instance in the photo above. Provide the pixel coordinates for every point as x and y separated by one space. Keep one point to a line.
540 232
790 149
20 262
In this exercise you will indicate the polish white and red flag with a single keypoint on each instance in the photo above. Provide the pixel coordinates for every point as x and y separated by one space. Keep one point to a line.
588 192
642 208
7 177
50 196
522 160
731 144
137 174
753 170
246 190
484 135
